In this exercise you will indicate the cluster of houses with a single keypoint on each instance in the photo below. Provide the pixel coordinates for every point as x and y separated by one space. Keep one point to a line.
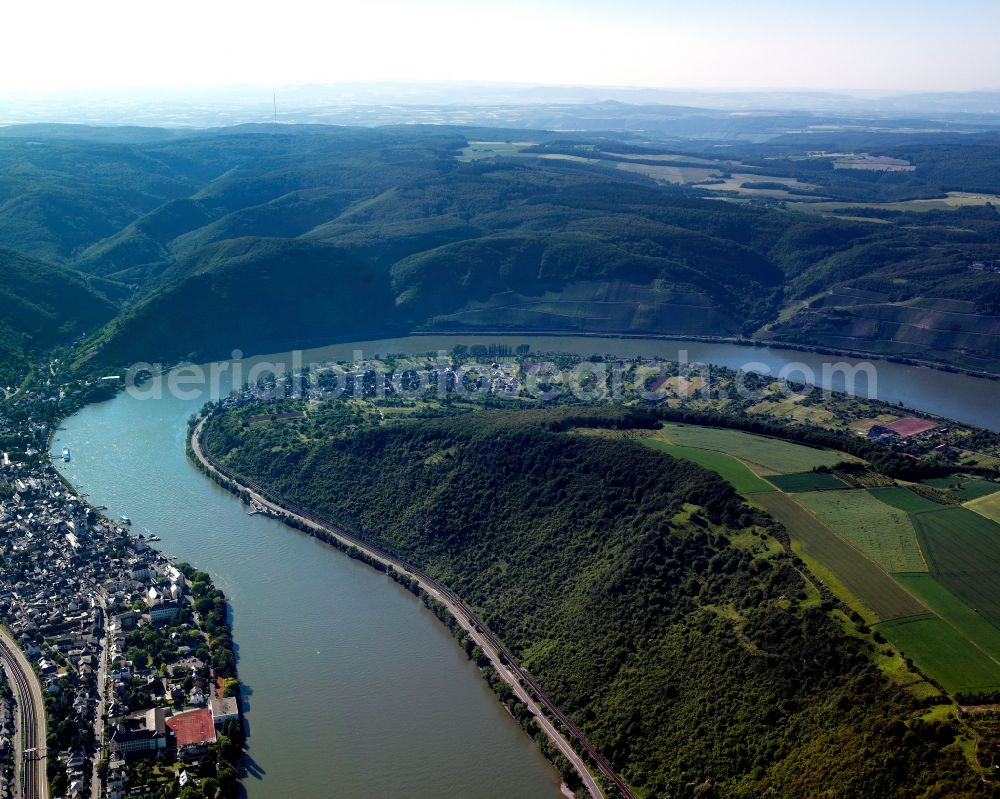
73 586
412 379
56 555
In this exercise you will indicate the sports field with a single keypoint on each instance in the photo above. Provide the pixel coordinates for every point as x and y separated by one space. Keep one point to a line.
905 500
942 654
963 551
783 457
882 532
848 573
807 481
743 480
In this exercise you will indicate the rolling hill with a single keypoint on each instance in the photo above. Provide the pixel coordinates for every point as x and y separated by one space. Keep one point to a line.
650 603
44 304
554 232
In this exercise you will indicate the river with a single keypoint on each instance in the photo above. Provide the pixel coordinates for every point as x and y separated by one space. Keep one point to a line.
354 689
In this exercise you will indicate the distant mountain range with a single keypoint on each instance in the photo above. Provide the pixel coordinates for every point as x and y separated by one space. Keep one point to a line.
459 102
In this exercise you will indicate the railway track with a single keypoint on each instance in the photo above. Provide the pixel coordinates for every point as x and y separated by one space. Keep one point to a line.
583 746
29 724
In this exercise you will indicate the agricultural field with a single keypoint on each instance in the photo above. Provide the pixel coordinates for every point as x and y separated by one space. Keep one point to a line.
905 500
743 480
953 200
792 187
873 548
807 481
848 573
676 175
963 551
954 611
987 506
781 457
491 149
944 655
672 157
882 532
965 488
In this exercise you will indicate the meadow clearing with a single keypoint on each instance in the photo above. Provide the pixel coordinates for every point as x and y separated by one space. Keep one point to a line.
781 457
742 479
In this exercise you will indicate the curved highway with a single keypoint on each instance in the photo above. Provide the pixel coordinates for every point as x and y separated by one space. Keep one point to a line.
525 687
31 719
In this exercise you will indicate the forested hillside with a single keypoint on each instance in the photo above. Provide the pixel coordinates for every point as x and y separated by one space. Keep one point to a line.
654 606
42 304
241 237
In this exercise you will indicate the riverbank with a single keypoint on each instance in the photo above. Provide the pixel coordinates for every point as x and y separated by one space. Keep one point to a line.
350 681
502 662
737 341
305 617
98 574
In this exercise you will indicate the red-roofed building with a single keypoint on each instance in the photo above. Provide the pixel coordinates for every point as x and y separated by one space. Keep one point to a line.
910 426
194 731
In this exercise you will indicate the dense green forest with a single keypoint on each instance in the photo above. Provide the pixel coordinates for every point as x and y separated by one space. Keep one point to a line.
42 304
254 237
653 605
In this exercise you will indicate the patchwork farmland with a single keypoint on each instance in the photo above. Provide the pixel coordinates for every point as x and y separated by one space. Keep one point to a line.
883 533
966 489
904 499
925 574
943 654
870 586
963 551
953 610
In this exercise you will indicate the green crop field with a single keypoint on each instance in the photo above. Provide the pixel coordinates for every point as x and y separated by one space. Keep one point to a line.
953 610
774 454
905 500
743 480
987 506
855 578
965 489
882 532
806 481
942 654
963 551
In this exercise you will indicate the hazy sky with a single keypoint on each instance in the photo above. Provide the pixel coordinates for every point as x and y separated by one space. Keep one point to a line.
703 44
